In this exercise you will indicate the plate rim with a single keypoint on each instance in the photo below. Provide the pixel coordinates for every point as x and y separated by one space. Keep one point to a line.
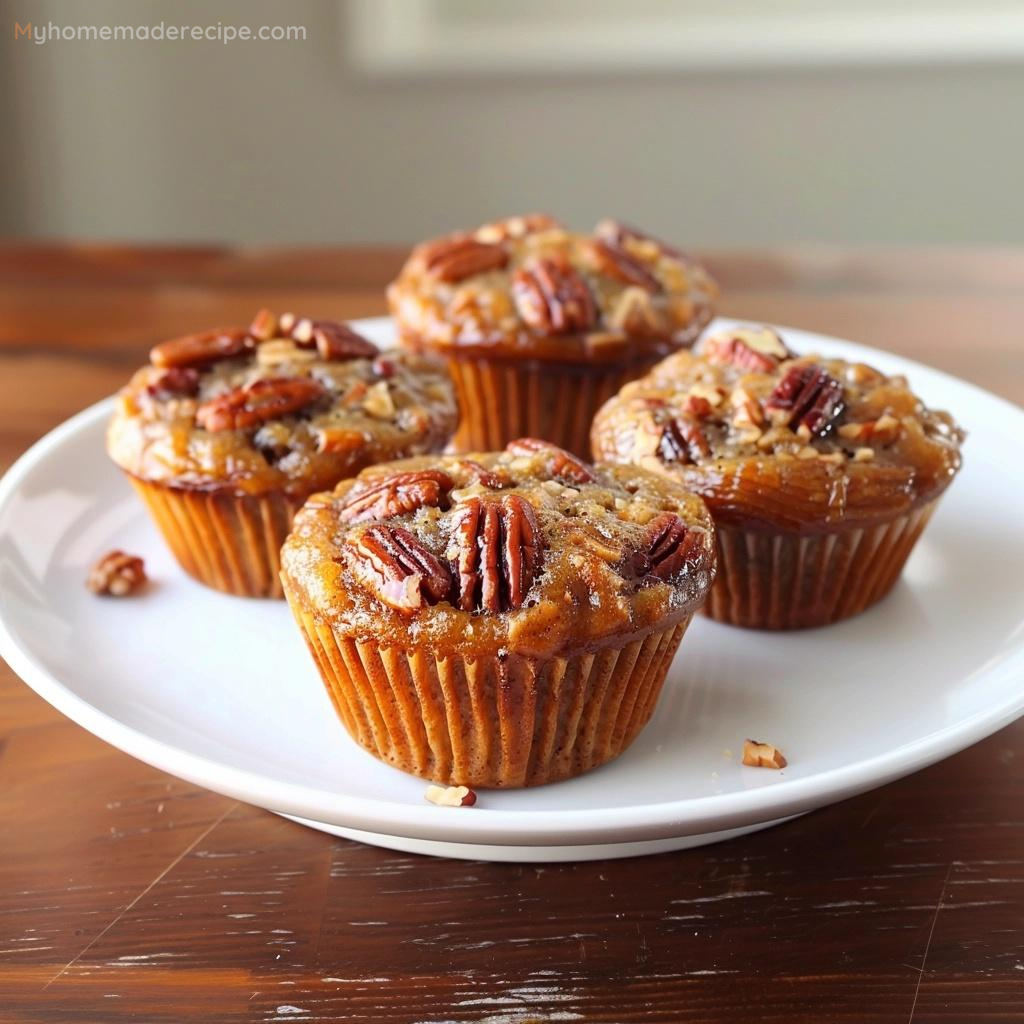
492 826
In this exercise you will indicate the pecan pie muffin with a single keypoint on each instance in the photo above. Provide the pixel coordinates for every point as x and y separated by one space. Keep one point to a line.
502 619
226 433
820 473
540 325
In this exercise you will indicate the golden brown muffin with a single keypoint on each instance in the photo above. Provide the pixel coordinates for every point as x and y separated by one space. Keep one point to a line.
820 473
226 433
501 619
540 325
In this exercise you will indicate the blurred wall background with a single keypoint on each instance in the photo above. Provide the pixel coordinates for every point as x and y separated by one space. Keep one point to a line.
292 142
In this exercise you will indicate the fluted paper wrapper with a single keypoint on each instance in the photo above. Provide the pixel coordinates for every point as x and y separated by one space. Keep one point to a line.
490 722
229 542
787 581
500 401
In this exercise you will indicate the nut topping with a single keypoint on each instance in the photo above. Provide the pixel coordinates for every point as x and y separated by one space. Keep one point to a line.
255 403
117 574
667 547
552 298
498 550
762 755
460 256
398 568
450 796
396 495
615 233
338 342
200 349
562 464
760 351
683 441
264 325
807 395
177 382
515 227
884 430
484 476
616 262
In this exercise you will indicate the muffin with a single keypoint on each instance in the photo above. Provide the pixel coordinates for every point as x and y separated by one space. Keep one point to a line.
540 325
226 433
500 620
820 473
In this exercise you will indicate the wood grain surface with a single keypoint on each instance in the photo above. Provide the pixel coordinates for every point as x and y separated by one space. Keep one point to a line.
129 895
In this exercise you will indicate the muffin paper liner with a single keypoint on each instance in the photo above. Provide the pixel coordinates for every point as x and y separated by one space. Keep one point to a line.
787 581
228 541
503 400
490 722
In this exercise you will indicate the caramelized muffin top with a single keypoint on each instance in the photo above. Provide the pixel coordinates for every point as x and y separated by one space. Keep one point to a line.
528 550
527 287
779 440
289 403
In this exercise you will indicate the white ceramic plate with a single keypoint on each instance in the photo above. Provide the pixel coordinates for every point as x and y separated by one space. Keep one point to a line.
221 690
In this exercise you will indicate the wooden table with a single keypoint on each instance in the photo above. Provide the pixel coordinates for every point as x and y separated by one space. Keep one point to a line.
126 894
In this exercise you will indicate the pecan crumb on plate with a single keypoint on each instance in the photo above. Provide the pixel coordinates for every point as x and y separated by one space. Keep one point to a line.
117 574
451 796
762 755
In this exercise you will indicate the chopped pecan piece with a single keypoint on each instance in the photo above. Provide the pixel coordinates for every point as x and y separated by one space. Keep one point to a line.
264 325
485 477
393 564
117 574
339 342
396 495
460 256
683 441
177 382
562 464
760 351
616 233
255 403
450 796
616 262
200 349
498 550
762 755
881 431
552 298
668 546
809 396
515 227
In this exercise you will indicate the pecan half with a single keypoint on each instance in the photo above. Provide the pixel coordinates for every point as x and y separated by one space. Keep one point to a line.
201 349
396 495
498 549
393 564
760 351
117 574
177 382
460 256
616 262
561 464
255 403
683 441
552 298
667 547
616 233
807 396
